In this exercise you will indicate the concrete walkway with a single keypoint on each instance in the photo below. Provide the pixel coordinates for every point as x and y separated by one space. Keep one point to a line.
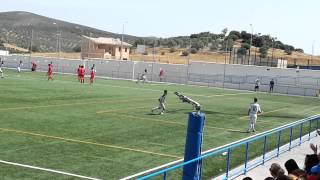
297 153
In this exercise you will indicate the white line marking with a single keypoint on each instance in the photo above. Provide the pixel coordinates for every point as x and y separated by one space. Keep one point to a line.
48 170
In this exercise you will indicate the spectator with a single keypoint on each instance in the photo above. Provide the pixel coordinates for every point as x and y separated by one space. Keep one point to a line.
276 171
310 161
291 165
271 85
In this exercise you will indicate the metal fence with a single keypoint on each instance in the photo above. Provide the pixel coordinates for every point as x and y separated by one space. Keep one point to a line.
272 143
287 81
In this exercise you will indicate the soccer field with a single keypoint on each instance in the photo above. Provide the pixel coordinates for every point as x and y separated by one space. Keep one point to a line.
107 130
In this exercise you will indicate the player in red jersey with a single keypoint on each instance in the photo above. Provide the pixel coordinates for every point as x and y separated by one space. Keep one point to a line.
92 73
82 73
49 71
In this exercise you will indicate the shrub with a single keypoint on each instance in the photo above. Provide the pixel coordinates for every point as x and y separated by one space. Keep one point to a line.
172 50
193 50
185 53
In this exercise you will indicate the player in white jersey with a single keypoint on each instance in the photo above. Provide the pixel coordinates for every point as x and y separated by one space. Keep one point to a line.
254 110
19 66
162 101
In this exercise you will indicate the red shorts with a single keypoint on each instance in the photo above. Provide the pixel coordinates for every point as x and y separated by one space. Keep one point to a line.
81 76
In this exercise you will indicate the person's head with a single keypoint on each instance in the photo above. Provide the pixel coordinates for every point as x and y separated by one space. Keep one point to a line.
145 70
255 99
310 161
165 92
276 170
247 178
291 165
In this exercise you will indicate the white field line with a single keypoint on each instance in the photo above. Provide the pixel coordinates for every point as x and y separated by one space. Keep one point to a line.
48 170
145 89
191 85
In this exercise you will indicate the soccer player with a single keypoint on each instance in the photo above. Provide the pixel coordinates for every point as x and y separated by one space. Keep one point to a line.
143 77
49 73
19 66
1 65
161 74
162 101
271 85
34 66
254 110
256 85
82 73
92 73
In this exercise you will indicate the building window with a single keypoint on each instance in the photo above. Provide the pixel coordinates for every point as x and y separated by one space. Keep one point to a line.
125 50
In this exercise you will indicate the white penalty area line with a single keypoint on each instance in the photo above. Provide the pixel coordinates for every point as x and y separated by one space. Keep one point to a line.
48 170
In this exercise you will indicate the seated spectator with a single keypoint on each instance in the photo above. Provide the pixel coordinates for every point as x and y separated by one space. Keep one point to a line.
276 171
310 161
291 165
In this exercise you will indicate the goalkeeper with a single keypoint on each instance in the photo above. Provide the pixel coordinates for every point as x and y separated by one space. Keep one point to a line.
196 106
162 101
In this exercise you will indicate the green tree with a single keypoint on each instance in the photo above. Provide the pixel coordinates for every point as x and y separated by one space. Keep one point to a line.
242 51
263 51
288 51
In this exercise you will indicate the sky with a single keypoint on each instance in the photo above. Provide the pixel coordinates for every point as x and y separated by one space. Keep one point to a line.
293 22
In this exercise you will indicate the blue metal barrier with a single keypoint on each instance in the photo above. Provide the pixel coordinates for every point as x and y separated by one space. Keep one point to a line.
228 148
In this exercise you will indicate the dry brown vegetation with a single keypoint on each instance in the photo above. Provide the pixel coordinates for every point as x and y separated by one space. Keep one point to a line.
163 55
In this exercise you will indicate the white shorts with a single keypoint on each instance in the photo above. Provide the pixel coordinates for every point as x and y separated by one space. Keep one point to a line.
18 68
0 70
253 119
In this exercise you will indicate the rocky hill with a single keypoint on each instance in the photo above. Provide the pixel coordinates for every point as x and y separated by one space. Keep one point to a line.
16 28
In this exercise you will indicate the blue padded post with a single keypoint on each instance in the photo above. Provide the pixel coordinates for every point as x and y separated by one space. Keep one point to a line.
196 121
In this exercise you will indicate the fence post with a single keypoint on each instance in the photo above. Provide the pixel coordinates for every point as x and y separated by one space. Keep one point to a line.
264 149
290 138
309 130
300 134
279 141
228 162
164 175
246 160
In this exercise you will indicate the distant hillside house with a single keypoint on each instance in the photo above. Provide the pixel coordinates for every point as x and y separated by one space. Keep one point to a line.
105 48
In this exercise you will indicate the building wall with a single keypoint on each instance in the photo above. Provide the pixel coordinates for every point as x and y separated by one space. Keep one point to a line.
91 50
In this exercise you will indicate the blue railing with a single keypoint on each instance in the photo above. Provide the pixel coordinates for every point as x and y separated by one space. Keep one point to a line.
265 155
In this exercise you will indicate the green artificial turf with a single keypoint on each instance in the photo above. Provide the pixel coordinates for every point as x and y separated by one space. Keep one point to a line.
107 130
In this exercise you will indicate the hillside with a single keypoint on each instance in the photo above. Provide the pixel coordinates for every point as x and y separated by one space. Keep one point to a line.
16 28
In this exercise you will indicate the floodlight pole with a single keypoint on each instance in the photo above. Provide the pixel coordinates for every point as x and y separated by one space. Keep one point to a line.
225 61
31 42
58 41
250 45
